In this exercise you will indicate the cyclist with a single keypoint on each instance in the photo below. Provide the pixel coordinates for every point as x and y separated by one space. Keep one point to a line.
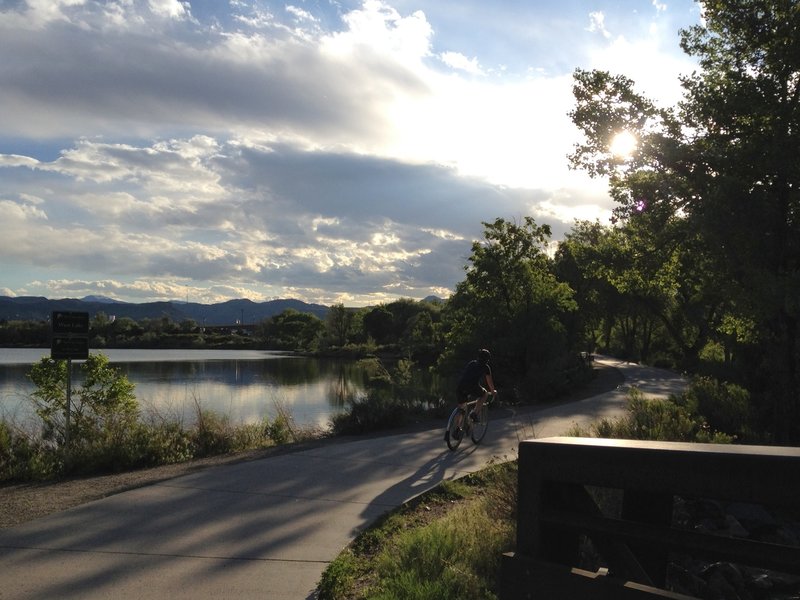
477 374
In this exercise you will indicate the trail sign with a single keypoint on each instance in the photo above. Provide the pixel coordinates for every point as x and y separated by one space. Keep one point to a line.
69 347
76 323
70 338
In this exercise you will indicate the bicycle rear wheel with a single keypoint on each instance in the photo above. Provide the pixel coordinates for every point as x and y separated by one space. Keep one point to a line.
480 426
455 425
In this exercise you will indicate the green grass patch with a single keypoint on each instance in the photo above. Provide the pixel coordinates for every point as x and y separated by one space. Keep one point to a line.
446 543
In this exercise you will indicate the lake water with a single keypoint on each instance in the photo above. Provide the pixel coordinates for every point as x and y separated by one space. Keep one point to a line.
244 385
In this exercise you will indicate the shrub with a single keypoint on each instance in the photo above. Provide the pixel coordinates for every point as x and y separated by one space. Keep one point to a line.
724 406
163 443
211 434
279 430
23 457
370 413
657 419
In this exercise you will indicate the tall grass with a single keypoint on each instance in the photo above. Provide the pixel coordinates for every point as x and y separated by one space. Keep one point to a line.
150 441
446 544
696 415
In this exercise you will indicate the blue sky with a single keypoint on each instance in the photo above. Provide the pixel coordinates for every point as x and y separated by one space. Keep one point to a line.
331 151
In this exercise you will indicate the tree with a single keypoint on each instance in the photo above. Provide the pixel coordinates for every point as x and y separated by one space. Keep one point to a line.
293 330
338 323
378 324
104 409
718 177
511 302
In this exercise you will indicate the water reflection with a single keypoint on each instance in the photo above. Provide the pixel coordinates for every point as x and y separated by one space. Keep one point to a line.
245 386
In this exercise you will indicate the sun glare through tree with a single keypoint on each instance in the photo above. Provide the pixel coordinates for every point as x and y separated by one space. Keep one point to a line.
623 144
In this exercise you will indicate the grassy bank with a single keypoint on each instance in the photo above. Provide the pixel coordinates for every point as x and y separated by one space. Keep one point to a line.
444 544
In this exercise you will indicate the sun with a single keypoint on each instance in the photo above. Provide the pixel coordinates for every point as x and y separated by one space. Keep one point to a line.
623 144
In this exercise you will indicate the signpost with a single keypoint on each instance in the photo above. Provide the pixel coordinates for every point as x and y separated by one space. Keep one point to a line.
70 341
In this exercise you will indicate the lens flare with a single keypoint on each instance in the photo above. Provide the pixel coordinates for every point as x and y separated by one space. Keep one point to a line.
623 144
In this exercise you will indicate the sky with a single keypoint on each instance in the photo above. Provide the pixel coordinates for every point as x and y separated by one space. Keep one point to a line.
332 151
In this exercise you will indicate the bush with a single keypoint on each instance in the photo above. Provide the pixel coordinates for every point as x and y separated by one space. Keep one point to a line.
724 406
163 443
103 407
370 413
211 434
657 419
23 457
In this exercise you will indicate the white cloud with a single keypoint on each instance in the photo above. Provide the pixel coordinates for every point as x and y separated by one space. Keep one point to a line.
456 60
14 160
379 29
172 9
597 23
300 14
267 151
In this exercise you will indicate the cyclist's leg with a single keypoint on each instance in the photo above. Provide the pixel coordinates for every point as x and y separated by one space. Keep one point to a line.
462 397
476 412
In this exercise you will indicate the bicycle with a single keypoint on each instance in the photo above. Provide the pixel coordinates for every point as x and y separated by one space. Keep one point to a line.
459 425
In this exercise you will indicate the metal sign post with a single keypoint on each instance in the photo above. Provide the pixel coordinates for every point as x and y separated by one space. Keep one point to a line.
69 404
70 341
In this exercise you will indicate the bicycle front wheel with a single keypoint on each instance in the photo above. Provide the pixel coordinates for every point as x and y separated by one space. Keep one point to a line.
480 426
455 428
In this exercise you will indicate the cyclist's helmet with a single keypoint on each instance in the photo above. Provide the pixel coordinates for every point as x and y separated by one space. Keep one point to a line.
484 355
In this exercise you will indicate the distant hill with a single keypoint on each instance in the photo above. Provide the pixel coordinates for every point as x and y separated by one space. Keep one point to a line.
35 308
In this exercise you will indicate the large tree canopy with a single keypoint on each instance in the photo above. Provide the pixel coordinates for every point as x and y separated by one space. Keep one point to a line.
716 180
511 302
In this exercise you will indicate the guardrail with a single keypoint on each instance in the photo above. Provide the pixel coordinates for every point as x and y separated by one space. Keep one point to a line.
633 527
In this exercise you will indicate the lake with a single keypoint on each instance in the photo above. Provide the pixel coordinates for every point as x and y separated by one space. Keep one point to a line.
244 385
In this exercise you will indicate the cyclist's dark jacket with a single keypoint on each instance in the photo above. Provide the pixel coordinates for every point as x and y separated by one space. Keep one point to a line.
472 379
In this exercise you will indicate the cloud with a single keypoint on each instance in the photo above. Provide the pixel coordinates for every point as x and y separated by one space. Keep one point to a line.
171 9
456 60
266 149
13 160
351 224
597 23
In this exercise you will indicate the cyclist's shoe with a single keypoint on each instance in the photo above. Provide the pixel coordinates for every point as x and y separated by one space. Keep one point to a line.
474 417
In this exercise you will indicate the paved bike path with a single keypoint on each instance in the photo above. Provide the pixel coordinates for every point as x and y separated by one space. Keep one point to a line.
265 528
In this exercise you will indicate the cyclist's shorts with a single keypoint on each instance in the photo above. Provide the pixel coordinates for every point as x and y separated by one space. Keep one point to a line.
467 393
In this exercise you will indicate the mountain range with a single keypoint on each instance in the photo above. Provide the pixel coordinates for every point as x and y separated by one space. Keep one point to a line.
34 308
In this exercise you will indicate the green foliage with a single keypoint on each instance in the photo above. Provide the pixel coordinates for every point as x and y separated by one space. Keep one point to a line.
103 412
23 457
108 433
510 302
707 204
649 419
372 412
338 324
162 443
724 406
211 434
24 333
338 577
292 330
392 396
675 419
426 564
445 544
280 430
